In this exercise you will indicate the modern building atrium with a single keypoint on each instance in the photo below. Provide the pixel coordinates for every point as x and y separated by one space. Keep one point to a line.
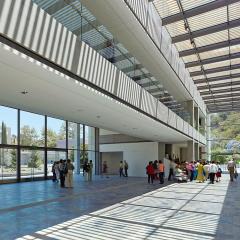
119 119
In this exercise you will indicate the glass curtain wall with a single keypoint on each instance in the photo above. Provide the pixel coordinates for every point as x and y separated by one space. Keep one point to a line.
224 136
30 143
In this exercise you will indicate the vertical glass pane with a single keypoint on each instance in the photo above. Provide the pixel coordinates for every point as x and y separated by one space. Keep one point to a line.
32 131
8 125
56 133
89 138
72 135
32 163
53 156
81 136
72 155
8 163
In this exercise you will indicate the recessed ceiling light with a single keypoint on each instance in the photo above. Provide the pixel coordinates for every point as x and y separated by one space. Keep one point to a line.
98 116
134 128
24 92
80 110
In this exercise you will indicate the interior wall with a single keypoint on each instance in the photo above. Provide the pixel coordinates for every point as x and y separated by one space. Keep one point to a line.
113 160
136 154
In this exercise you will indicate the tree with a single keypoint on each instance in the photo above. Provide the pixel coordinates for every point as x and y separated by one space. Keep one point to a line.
29 136
13 159
35 161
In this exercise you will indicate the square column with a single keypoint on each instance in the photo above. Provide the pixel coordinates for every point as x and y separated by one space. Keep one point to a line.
190 151
190 109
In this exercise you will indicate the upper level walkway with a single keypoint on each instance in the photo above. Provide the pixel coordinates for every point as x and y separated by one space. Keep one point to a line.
189 211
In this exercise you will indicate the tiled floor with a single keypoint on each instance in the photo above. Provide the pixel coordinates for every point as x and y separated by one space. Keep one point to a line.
121 209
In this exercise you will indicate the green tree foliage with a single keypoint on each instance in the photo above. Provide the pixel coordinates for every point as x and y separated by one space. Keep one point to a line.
13 159
224 128
35 160
29 136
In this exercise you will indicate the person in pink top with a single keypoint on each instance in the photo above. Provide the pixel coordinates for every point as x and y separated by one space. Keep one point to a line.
161 169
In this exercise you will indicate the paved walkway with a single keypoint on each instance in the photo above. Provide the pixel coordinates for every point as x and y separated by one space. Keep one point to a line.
191 211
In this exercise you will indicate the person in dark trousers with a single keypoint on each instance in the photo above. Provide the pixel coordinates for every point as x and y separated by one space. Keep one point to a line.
171 170
161 169
125 168
54 179
121 169
63 171
150 172
212 171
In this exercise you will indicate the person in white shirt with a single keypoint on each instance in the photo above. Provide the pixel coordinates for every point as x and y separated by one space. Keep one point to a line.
212 171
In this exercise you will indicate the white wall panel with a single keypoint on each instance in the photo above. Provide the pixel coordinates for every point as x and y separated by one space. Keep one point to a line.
180 124
172 118
175 59
186 127
154 25
140 8
162 112
166 44
148 103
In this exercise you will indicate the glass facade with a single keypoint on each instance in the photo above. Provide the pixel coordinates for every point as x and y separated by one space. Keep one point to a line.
30 143
224 136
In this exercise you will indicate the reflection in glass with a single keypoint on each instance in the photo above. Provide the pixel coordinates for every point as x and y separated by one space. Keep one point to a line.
32 163
8 126
72 135
32 131
56 133
8 163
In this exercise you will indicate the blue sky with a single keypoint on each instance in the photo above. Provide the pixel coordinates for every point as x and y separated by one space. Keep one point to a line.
9 116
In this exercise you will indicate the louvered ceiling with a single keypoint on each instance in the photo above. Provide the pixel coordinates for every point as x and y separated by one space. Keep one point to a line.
207 36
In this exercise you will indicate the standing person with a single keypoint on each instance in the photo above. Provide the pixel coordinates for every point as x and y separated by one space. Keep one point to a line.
200 175
206 170
90 168
161 169
171 170
56 168
121 169
150 172
104 169
219 173
84 166
155 166
231 168
69 174
62 171
212 171
54 179
125 168
86 172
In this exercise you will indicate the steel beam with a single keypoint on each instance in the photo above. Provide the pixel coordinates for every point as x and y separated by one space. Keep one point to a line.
215 70
142 76
215 79
213 60
220 91
196 11
221 96
208 103
210 47
226 84
206 31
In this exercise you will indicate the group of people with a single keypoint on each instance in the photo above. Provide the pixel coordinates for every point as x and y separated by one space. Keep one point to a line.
87 170
155 171
63 171
200 171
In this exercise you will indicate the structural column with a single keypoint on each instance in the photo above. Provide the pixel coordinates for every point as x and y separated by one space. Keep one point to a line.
190 151
77 146
190 109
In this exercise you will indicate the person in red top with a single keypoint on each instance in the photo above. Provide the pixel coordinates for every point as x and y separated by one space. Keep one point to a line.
150 172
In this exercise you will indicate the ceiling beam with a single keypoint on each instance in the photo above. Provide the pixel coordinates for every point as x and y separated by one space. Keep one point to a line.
209 47
224 100
220 96
215 70
220 91
219 78
132 68
196 11
225 110
213 60
149 84
206 31
212 86
142 76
